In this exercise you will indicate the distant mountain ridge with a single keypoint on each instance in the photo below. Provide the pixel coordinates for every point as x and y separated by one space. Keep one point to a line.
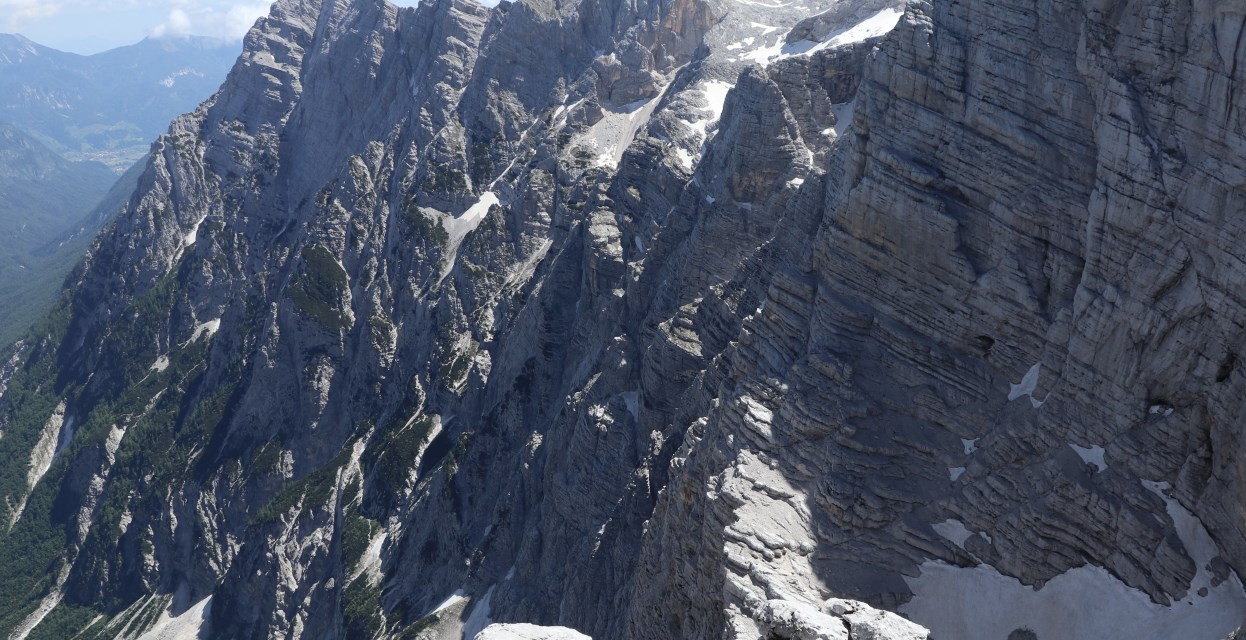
69 124
107 106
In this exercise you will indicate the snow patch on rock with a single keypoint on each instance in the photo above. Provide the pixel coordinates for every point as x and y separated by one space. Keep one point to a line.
1027 387
765 54
1091 455
685 158
193 234
611 135
205 329
455 598
476 212
1160 410
1028 383
715 93
979 603
459 226
954 530
878 24
844 113
479 618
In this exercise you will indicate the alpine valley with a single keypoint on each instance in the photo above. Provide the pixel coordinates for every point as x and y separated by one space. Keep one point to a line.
65 121
641 319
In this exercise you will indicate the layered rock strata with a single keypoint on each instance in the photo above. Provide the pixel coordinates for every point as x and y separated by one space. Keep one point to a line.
662 319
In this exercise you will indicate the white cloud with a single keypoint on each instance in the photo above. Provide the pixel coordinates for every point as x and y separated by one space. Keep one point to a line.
178 24
161 18
240 18
215 19
18 13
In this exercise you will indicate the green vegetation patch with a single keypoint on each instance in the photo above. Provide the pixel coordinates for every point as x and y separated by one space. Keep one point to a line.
168 415
312 490
30 553
426 226
267 458
451 464
66 621
317 292
361 611
444 179
391 457
357 533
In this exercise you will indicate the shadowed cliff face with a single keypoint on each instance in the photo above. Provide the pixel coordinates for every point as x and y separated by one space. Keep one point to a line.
667 319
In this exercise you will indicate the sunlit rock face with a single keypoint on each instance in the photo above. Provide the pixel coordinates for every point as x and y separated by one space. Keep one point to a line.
659 320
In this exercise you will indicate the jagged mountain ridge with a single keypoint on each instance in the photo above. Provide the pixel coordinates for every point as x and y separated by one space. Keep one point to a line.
484 341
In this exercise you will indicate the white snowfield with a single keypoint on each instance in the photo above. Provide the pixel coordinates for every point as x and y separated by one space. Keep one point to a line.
205 329
954 530
1086 603
479 619
455 598
880 23
193 235
476 212
877 24
1028 383
715 92
610 136
1091 455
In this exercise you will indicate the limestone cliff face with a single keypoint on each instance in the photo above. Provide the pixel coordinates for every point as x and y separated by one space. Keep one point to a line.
1001 344
658 319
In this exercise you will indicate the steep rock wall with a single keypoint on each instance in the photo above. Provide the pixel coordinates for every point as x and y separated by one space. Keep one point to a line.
670 319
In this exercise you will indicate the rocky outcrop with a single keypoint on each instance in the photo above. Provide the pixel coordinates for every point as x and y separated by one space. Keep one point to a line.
528 632
665 320
842 620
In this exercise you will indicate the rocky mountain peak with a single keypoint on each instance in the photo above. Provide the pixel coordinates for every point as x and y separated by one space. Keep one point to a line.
656 319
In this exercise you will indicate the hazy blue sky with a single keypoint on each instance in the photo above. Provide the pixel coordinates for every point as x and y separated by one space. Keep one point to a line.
89 26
